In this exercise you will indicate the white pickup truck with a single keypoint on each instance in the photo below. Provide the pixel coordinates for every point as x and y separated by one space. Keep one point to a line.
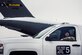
52 40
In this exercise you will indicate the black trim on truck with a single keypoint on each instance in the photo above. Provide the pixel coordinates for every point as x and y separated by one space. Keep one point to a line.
23 53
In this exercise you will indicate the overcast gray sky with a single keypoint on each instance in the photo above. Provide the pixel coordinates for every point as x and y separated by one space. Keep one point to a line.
56 10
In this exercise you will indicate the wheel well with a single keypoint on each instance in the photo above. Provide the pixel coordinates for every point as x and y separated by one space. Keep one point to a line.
23 53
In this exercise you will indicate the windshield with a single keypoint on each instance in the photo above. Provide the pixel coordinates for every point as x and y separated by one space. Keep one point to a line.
43 32
26 27
14 8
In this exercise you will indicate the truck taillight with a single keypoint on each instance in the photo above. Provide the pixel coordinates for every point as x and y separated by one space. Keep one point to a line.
1 48
1 45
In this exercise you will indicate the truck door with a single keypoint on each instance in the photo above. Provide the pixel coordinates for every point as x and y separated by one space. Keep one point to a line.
63 41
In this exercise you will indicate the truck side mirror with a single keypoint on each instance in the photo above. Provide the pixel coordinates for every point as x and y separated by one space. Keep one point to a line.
48 39
52 38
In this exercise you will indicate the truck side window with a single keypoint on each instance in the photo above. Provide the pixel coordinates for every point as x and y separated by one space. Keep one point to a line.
64 34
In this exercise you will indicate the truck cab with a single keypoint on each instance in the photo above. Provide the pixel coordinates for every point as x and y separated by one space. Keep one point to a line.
56 43
52 40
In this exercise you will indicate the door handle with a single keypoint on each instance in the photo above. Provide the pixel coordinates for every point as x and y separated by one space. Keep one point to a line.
76 45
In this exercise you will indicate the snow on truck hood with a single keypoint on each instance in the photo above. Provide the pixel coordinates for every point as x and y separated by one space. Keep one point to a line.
5 32
12 36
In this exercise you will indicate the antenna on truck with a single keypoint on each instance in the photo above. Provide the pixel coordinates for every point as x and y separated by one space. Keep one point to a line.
65 23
